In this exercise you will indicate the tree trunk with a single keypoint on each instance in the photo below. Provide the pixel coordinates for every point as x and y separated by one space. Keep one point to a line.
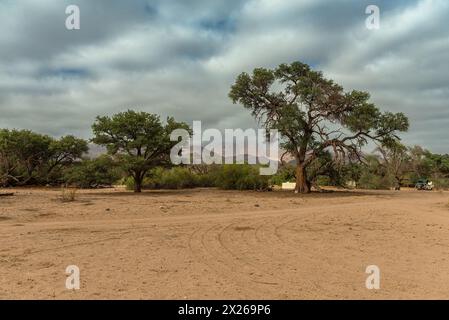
137 183
398 183
302 185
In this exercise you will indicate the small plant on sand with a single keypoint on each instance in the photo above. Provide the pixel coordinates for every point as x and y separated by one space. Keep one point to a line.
68 194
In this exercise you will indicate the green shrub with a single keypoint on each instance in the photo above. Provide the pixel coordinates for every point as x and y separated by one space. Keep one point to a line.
237 177
372 181
174 178
128 182
323 181
241 177
441 183
285 174
101 171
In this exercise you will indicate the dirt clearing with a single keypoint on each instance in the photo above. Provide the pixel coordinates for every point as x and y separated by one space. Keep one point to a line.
213 244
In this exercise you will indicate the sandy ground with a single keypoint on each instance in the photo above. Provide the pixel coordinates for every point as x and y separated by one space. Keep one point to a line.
212 244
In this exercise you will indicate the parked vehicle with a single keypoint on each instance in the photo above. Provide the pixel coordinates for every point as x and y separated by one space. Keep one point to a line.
424 184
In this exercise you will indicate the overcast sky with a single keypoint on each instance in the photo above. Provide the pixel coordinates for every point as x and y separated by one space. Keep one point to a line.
180 58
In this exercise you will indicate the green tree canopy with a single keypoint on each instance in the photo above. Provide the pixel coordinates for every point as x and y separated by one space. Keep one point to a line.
138 140
27 157
93 173
313 114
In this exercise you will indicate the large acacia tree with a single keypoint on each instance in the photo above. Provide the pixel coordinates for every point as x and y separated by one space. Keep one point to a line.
313 114
138 140
27 157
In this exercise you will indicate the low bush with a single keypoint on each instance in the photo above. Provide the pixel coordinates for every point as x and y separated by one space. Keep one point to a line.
174 178
241 177
441 183
285 173
94 173
372 181
237 177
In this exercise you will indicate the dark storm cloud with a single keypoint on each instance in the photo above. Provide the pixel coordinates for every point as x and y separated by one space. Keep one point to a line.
180 58
36 29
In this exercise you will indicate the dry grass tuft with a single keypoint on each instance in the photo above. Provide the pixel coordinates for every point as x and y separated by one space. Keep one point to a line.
68 194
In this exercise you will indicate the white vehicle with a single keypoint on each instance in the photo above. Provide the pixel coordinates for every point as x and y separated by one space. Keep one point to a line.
424 184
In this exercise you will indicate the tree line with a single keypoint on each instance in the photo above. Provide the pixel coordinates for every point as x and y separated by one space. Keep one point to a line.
324 130
28 158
